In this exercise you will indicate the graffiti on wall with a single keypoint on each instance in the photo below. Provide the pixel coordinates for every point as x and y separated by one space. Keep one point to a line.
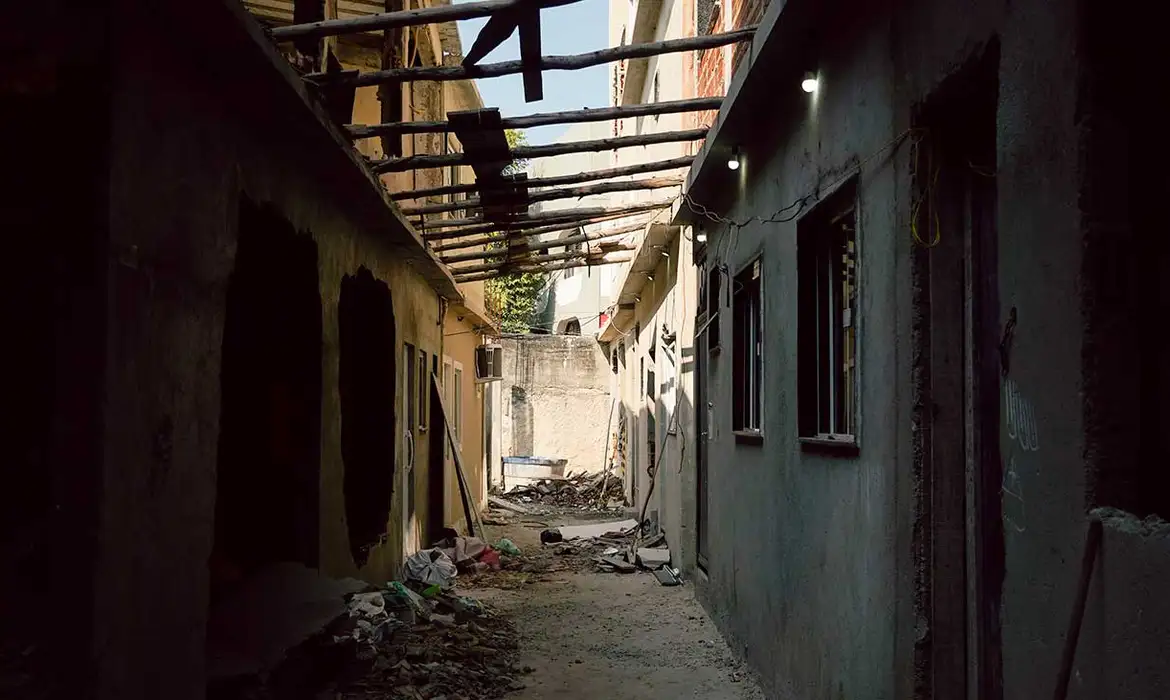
1023 434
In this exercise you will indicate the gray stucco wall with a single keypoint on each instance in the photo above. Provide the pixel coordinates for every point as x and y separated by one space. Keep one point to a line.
554 400
810 568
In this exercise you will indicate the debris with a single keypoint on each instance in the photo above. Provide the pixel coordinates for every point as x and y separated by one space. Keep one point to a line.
506 546
622 567
617 529
653 558
495 520
508 505
565 549
654 541
610 552
668 576
550 537
581 490
429 567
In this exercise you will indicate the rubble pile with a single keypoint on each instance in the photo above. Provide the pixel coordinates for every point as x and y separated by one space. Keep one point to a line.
597 491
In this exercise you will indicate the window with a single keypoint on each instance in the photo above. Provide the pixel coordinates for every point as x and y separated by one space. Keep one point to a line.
651 440
411 386
748 341
424 391
826 325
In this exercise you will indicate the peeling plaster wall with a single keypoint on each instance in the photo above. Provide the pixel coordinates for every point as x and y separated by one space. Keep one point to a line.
555 399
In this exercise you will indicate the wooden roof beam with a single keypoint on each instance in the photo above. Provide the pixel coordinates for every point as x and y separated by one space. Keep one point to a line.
549 217
589 176
700 104
572 62
465 240
549 195
480 276
541 258
524 238
391 165
407 18
526 246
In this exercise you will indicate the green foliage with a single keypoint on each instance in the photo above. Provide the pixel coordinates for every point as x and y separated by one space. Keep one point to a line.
514 296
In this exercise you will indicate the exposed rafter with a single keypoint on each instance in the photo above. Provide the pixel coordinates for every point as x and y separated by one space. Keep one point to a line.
549 217
407 18
522 238
588 176
549 195
700 104
574 62
517 246
389 165
480 276
470 240
542 258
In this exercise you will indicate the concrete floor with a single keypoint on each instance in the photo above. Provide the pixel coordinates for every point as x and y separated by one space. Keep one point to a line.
594 635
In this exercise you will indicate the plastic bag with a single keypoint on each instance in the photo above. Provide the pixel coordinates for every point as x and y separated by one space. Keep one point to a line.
506 546
431 567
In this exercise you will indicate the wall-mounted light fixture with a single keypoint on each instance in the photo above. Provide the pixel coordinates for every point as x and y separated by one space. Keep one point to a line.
700 236
649 276
733 159
809 84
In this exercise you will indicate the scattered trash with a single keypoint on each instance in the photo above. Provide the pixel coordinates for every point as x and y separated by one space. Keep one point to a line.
506 546
550 537
431 567
668 576
619 565
508 505
565 549
618 530
610 552
581 490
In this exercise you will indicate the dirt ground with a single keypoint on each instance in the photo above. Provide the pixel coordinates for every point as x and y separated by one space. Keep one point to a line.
591 635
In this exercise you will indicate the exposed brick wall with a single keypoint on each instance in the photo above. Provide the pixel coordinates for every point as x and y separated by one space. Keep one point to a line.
745 14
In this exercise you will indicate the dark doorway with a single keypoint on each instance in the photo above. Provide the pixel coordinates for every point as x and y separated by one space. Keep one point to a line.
267 489
367 383
959 535
436 466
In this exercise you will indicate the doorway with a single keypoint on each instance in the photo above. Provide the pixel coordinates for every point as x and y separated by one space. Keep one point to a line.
958 533
266 505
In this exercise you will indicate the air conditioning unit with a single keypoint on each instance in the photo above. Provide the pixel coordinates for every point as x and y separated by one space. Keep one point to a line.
489 363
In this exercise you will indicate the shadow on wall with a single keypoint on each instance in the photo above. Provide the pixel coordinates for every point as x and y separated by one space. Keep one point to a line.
366 378
522 438
266 506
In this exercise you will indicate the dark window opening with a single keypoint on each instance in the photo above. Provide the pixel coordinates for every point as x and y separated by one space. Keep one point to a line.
267 493
827 320
748 341
424 391
651 440
366 383
573 327
650 380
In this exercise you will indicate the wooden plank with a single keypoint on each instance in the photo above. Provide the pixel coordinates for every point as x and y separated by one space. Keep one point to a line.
549 195
390 165
572 62
522 238
407 18
470 512
588 176
700 104
529 22
513 234
535 259
526 246
480 276
549 217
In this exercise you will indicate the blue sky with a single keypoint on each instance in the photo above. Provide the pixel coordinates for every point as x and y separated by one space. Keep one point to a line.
568 29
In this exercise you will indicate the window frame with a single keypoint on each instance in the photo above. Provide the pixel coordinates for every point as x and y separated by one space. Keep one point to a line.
828 322
747 420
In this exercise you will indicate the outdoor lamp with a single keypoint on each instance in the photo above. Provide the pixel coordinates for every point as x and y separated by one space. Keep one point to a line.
809 84
733 161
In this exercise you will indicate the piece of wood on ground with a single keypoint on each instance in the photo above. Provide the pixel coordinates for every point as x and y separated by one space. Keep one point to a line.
620 566
505 504
570 532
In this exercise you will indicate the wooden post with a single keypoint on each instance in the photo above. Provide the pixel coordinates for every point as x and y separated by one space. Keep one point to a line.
406 18
388 165
589 176
699 104
574 62
549 195
470 512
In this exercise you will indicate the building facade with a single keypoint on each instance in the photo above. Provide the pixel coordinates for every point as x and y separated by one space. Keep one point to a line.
919 467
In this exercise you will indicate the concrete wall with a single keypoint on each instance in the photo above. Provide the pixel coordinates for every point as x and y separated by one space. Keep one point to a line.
187 144
555 399
811 569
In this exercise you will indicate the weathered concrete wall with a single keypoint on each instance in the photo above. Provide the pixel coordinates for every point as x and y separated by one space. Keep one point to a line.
555 399
188 143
